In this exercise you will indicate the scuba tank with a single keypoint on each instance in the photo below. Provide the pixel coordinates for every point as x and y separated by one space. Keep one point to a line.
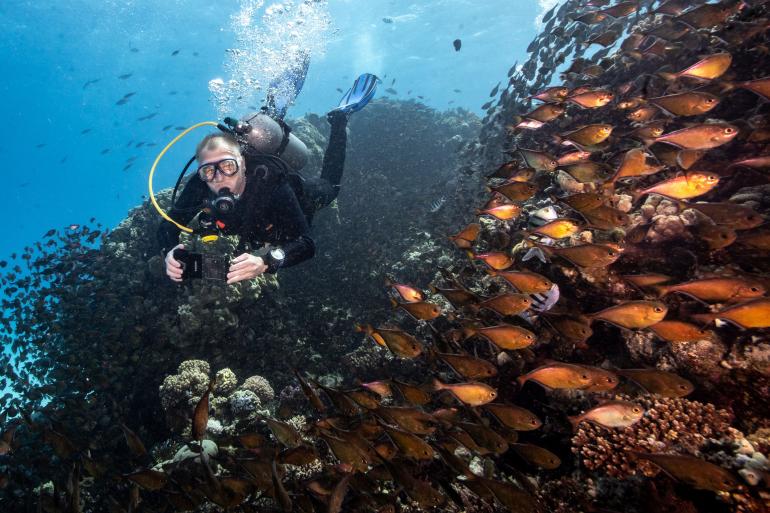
264 135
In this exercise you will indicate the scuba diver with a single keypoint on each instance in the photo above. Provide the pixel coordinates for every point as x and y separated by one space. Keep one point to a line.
246 185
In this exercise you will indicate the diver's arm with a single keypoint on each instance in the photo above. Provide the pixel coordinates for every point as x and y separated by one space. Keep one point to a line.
192 195
297 244
334 158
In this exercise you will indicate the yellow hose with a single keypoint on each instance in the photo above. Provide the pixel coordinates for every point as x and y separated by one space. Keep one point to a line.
155 165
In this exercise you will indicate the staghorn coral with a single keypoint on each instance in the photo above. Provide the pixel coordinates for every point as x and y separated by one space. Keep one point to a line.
678 425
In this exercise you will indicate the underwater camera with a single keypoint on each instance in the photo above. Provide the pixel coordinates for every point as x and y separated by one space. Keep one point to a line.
202 265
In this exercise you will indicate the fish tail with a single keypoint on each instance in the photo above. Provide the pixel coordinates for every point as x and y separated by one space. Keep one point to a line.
521 380
436 385
575 421
432 289
661 290
704 319
393 303
667 76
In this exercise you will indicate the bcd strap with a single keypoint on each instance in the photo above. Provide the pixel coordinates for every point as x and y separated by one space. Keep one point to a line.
285 141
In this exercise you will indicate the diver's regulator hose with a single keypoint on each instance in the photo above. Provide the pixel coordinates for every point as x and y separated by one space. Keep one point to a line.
176 139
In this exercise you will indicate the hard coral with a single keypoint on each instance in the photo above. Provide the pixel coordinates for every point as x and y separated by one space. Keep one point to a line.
226 382
669 425
260 387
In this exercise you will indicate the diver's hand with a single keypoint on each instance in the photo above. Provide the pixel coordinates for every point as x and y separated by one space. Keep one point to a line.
245 267
174 266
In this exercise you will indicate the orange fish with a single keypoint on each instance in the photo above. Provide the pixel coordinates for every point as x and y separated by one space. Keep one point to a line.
658 382
495 260
504 336
584 200
734 215
605 218
621 9
572 329
546 112
632 314
708 68
589 135
752 314
538 160
558 376
506 304
551 94
690 185
715 236
587 171
516 191
420 311
573 157
200 418
526 282
514 417
471 393
558 229
634 164
679 331
399 342
694 471
646 280
467 236
407 292
700 137
708 15
716 290
760 86
759 239
503 212
537 456
691 103
592 99
585 255
467 366
457 297
611 414
642 114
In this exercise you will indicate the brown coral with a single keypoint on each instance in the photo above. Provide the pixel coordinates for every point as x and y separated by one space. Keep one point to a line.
669 424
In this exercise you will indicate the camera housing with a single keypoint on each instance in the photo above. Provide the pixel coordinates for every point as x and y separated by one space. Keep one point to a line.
202 265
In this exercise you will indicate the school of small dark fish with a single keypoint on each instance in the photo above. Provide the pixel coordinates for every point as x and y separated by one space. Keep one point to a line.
672 120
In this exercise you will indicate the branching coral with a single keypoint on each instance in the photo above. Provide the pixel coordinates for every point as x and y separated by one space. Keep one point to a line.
669 424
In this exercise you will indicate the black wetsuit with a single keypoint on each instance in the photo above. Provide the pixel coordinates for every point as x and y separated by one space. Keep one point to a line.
269 211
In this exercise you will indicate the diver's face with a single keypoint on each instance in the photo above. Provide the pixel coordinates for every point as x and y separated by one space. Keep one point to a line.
237 182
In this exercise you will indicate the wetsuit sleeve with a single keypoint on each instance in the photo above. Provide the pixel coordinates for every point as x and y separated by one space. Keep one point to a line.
295 240
192 195
334 158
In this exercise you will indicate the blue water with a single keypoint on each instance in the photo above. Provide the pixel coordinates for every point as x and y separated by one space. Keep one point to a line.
55 175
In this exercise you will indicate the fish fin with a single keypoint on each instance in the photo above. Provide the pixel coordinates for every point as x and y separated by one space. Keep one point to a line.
393 303
667 76
661 290
575 421
521 380
436 385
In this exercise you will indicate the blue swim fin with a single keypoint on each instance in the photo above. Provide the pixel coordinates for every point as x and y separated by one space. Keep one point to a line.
285 88
360 94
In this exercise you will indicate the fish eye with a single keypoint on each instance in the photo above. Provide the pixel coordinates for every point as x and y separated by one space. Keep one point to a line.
729 130
658 309
611 253
584 376
754 289
636 410
710 100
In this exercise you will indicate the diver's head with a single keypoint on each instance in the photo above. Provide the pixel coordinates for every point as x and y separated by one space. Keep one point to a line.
221 164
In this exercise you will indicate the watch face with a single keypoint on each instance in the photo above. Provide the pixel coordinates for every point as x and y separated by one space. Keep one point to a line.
278 254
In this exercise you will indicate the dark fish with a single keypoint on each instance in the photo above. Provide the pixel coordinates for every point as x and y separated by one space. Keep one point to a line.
125 76
93 81
173 93
457 44
387 20
85 131
105 151
195 54
166 127
393 82
340 90
390 90
40 145
175 52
